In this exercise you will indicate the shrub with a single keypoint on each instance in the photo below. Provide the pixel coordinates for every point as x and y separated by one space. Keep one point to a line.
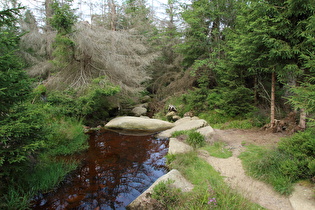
195 139
293 160
300 148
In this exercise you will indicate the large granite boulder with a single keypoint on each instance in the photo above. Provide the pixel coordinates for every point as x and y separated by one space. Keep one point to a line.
144 201
138 124
176 146
185 123
208 132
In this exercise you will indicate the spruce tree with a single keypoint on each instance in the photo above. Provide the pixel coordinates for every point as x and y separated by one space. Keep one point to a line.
270 38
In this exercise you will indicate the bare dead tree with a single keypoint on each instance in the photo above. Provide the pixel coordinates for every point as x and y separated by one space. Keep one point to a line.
119 55
36 46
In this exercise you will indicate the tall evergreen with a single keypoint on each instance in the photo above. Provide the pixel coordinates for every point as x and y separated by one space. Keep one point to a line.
14 84
270 38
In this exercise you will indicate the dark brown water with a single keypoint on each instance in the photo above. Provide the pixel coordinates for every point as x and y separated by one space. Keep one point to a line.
117 169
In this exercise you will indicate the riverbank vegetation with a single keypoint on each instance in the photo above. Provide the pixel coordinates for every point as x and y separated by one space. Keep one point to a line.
210 190
282 166
236 64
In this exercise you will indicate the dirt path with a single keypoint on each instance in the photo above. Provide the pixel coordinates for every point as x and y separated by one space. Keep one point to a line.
257 191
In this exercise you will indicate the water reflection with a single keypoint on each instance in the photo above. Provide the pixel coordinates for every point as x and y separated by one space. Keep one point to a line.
117 169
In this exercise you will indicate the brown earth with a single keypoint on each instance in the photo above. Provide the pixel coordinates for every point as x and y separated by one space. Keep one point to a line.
255 190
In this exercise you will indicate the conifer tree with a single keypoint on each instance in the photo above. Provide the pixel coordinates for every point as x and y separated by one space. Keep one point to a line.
270 38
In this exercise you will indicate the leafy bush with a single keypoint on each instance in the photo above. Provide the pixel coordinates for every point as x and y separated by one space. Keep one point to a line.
93 103
230 101
301 150
223 102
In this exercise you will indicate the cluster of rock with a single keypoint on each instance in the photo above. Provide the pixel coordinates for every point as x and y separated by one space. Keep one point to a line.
140 110
165 129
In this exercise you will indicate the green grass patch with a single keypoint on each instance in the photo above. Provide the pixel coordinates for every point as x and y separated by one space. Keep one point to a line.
46 167
218 149
265 164
165 194
219 121
194 138
44 177
281 167
48 175
67 137
210 190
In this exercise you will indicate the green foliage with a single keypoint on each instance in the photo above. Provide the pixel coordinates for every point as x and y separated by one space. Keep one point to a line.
31 137
22 133
15 198
178 133
42 178
208 184
293 160
304 97
67 137
92 104
48 174
301 150
14 84
225 101
238 124
218 149
63 51
266 164
194 138
232 102
165 194
63 18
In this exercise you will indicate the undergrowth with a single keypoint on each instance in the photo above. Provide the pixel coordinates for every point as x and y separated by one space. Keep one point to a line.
45 167
291 161
210 190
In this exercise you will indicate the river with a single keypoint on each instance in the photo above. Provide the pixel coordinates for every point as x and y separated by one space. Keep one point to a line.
115 170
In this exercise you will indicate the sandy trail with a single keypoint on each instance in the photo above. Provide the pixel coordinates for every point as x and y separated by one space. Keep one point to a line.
257 191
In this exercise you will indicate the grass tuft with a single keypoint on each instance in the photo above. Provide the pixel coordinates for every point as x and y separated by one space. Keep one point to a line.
218 149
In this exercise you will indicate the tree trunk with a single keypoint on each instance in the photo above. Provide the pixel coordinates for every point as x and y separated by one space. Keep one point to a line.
302 123
256 90
272 103
49 12
113 15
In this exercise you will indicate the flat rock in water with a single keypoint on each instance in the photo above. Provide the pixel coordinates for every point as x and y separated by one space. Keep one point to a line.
138 124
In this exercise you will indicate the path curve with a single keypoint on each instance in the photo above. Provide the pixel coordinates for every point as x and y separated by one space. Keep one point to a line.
257 191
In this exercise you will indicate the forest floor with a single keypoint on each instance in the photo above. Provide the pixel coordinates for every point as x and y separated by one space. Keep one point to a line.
255 190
